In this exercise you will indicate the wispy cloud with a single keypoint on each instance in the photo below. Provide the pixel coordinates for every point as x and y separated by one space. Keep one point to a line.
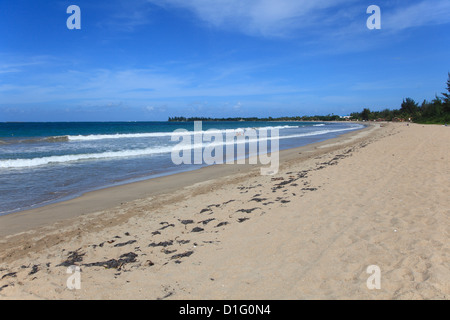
13 64
429 12
133 85
286 18
258 17
124 15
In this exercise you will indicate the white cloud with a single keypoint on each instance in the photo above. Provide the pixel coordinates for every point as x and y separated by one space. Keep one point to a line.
16 64
237 106
284 18
120 15
131 85
258 17
429 12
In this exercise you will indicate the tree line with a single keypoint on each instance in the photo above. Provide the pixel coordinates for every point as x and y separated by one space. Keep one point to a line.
434 111
330 117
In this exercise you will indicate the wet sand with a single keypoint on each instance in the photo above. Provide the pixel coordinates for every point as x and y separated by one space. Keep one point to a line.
375 197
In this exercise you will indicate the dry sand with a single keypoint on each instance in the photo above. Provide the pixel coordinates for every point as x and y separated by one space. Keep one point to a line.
379 197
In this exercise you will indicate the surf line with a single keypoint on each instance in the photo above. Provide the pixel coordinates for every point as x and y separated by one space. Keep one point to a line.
212 153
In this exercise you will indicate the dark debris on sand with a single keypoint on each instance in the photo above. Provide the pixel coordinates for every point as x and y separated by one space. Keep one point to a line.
115 263
125 243
34 269
247 210
182 255
11 274
161 244
224 223
72 259
205 222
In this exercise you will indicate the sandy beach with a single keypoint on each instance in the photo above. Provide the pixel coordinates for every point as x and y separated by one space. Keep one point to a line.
375 197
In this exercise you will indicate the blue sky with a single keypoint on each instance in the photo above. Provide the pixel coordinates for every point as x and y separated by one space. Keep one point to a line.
149 59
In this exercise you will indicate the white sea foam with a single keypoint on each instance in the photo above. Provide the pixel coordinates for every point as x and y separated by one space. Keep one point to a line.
160 134
22 163
34 162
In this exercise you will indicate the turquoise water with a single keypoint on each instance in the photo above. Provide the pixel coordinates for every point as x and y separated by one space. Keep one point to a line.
41 163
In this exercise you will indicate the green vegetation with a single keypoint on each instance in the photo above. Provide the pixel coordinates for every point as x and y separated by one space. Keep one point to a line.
304 118
435 112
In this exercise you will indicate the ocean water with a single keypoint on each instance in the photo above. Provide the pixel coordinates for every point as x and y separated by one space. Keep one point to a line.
41 163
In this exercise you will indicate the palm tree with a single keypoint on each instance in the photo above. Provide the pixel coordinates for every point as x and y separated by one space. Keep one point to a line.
447 96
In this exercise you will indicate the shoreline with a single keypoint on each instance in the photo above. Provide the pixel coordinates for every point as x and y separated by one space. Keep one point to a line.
375 198
111 196
57 195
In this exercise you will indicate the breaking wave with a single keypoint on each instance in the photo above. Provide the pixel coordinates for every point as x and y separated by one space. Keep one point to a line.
162 134
34 162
